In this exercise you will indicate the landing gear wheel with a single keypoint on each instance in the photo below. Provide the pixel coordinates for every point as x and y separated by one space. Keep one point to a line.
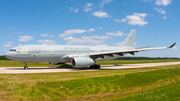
95 67
25 67
92 67
98 67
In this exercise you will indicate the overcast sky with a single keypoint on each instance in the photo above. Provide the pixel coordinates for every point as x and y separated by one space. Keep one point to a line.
91 22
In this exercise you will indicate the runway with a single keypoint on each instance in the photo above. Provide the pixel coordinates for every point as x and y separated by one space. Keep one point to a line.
15 70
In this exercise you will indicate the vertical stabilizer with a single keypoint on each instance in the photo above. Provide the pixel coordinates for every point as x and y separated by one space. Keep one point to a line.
130 39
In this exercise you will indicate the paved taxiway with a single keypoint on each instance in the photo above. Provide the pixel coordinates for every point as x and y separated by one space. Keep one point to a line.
14 70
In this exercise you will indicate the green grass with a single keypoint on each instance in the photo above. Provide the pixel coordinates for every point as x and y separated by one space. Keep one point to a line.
10 63
170 92
156 83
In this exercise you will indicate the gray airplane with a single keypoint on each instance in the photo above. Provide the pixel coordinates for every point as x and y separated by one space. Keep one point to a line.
78 56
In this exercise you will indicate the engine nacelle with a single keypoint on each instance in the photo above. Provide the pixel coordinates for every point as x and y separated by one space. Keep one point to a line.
55 63
82 62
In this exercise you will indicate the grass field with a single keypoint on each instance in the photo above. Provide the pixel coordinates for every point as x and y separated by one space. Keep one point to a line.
156 83
10 63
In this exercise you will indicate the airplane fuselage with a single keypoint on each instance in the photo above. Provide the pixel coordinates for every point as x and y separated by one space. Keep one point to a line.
53 53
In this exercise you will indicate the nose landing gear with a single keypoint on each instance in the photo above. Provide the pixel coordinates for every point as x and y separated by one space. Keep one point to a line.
25 67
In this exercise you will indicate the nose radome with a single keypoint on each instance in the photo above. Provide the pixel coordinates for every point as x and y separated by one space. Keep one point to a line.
11 55
7 54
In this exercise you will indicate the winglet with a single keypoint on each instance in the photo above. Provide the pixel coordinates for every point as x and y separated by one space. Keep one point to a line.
172 45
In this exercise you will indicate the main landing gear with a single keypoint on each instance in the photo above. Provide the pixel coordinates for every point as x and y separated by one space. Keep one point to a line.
95 67
25 67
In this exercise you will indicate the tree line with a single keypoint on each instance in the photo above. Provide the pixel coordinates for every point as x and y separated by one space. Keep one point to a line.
3 58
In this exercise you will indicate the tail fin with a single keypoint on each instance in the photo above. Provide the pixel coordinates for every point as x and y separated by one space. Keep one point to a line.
130 39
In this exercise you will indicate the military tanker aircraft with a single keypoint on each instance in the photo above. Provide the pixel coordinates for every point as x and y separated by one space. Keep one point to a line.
78 56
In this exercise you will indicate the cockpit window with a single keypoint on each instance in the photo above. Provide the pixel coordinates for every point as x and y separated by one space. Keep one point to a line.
12 50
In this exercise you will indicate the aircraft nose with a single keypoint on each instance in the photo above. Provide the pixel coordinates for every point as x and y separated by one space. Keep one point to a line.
11 55
7 54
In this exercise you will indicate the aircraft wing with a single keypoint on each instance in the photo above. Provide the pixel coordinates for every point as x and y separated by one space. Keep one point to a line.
120 52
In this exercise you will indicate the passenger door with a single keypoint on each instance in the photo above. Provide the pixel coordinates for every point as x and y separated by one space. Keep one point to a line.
51 49
24 50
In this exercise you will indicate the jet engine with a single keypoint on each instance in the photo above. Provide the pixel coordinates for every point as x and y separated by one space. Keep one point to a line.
55 63
82 62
